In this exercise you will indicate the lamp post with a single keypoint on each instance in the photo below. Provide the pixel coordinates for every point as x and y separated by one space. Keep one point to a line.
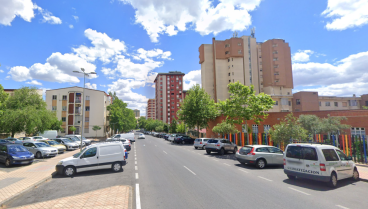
83 106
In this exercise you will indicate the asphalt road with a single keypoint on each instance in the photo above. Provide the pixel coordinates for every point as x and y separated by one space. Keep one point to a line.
178 176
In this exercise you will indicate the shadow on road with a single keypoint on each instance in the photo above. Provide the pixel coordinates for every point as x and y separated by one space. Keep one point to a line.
317 185
88 173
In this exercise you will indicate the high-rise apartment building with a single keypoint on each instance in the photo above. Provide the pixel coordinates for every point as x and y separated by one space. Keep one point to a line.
169 93
137 113
68 104
266 66
151 109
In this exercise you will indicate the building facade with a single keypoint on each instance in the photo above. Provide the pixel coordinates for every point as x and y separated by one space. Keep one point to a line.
169 94
137 113
10 92
151 109
68 104
266 66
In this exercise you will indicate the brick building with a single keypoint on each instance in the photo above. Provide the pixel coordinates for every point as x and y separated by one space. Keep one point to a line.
151 109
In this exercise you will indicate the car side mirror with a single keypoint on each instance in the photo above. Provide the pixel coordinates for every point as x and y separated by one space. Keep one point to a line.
349 158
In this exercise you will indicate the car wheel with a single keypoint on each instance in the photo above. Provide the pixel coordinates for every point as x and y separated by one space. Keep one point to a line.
208 151
261 163
222 151
355 175
195 147
38 155
333 180
69 171
235 149
7 163
116 167
183 142
204 147
291 177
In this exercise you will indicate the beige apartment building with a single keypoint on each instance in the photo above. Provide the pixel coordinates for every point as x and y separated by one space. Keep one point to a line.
137 113
151 109
266 66
68 103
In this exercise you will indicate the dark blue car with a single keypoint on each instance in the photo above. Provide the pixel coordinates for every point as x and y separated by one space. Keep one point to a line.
15 154
3 141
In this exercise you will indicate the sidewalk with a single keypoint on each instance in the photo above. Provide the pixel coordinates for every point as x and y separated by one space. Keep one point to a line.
16 182
363 172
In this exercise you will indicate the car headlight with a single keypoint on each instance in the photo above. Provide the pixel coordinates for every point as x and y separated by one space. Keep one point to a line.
32 156
15 157
60 163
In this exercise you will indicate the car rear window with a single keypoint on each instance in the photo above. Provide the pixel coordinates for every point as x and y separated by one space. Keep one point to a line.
330 155
294 152
212 141
245 150
262 149
309 153
306 153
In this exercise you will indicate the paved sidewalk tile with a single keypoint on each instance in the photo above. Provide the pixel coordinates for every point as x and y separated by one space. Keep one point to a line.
363 172
111 197
18 181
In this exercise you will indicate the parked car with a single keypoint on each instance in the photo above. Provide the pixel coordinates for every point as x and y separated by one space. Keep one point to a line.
260 155
86 141
166 136
15 154
76 140
116 137
319 162
184 140
40 149
220 146
141 136
97 156
173 136
35 138
61 148
70 145
3 141
129 136
14 141
200 143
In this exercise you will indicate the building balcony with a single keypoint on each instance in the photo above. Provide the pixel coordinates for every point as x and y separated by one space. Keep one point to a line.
78 100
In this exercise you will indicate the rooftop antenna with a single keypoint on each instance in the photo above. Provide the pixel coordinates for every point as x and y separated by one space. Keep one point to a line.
253 31
235 34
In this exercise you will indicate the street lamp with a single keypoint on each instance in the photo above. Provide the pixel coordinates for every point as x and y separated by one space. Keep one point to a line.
83 106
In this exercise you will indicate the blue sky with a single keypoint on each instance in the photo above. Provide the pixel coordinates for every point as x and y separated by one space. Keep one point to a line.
127 41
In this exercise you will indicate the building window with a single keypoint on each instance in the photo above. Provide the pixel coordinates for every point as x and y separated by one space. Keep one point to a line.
320 103
229 74
228 60
344 104
275 59
276 102
65 97
358 131
54 97
336 104
327 104
297 102
275 52
227 45
289 103
239 44
288 93
274 45
86 130
255 129
276 66
229 81
63 119
239 52
353 103
64 108
266 128
87 108
277 80
87 98
87 119
227 52
53 108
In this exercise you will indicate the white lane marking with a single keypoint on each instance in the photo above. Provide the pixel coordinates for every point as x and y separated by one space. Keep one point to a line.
135 158
137 197
136 162
136 175
264 178
226 164
190 170
340 206
299 191
165 152
243 170
136 167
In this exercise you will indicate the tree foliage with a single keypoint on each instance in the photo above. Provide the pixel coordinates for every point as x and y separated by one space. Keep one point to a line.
331 125
96 128
197 108
121 117
3 98
166 128
311 123
72 128
173 126
289 129
225 128
244 104
159 128
181 128
142 121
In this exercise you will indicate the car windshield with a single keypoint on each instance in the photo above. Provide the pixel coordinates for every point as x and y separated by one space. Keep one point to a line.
67 141
74 139
84 138
11 139
52 142
79 153
17 149
37 137
42 145
212 141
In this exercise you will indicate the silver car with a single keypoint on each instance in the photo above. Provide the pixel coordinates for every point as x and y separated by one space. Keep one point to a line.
260 155
70 145
200 143
40 149
220 146
76 140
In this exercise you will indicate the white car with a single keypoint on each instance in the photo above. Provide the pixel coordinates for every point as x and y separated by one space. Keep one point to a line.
318 162
172 137
200 143
141 136
97 156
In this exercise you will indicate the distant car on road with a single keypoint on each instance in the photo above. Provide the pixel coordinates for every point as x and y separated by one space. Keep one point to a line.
260 155
14 141
200 143
15 154
141 136
221 146
40 149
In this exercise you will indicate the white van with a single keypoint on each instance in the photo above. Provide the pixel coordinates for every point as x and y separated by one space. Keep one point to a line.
318 162
50 134
94 157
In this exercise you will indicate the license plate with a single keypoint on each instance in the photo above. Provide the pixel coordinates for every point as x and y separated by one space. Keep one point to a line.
24 162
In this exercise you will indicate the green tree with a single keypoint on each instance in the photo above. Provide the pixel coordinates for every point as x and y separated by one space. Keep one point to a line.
72 129
332 125
166 128
288 129
159 128
197 108
122 117
96 128
225 128
311 123
365 107
3 98
142 122
173 125
181 128
26 111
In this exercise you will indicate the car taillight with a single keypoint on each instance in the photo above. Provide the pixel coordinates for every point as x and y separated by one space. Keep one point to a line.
200 142
322 167
238 151
284 162
218 145
252 152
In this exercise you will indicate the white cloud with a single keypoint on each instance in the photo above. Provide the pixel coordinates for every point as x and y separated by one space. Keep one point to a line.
91 86
71 26
302 56
10 9
34 82
102 85
346 77
47 16
192 78
160 16
346 14
1 71
76 18
157 53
